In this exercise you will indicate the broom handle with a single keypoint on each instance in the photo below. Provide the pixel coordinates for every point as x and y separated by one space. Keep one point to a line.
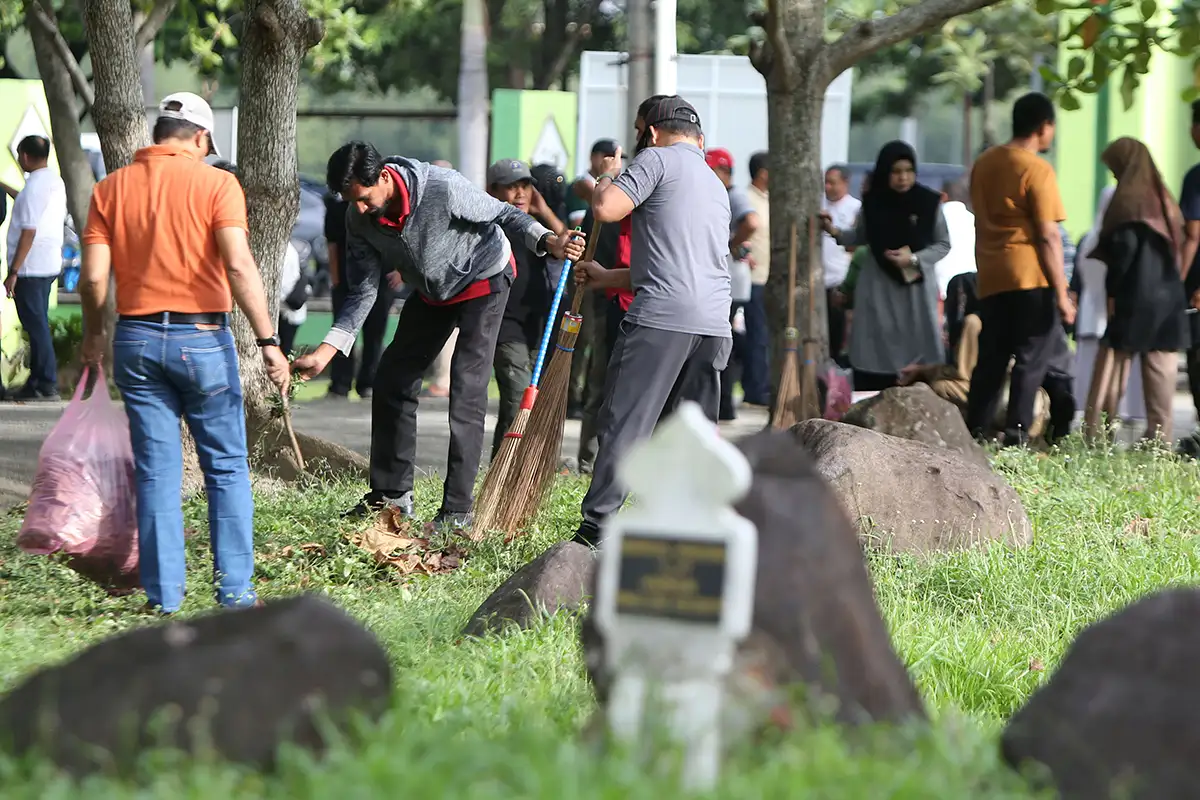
588 255
812 274
791 319
550 320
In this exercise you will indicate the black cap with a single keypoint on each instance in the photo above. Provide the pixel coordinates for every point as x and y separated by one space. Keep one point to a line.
673 108
604 147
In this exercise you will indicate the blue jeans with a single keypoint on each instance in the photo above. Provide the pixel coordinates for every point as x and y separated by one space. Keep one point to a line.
165 373
32 298
756 375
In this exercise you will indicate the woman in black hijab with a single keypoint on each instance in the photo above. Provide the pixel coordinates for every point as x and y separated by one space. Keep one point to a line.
896 318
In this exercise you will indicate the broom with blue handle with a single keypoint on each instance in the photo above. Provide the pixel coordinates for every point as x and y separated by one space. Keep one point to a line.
500 477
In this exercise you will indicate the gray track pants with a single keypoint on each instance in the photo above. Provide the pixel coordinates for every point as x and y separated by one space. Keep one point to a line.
650 372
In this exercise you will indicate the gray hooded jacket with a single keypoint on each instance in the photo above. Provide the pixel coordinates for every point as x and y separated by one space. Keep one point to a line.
453 237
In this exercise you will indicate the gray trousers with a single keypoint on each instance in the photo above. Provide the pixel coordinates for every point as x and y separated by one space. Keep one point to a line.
514 370
593 387
649 373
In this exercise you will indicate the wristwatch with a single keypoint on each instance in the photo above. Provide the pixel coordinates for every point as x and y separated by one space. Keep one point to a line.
270 341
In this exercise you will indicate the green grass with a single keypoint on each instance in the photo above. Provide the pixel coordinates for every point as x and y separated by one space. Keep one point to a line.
499 718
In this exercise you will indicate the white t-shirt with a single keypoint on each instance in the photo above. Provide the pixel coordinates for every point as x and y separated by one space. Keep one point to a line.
833 256
42 207
961 258
288 278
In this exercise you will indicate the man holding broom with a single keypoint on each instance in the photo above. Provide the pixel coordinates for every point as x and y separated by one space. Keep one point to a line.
675 338
446 239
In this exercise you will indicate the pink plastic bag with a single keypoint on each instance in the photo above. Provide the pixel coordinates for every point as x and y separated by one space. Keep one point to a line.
84 497
838 394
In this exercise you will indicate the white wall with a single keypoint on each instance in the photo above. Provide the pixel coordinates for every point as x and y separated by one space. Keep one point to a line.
728 93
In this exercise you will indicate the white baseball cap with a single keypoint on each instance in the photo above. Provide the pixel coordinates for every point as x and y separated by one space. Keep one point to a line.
190 108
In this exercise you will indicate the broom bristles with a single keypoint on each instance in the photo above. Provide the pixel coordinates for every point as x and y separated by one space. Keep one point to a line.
536 463
788 399
491 499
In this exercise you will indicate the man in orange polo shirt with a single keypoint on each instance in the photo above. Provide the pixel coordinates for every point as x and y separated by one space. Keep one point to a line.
1022 288
449 241
172 231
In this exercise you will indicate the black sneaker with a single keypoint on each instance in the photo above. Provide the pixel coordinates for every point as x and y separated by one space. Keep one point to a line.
454 521
374 502
366 393
587 534
31 394
336 394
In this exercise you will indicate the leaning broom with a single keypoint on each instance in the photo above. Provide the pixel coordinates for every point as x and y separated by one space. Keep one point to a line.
798 398
497 482
536 462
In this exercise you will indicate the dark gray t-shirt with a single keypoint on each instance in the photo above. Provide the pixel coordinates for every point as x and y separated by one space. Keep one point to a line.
678 264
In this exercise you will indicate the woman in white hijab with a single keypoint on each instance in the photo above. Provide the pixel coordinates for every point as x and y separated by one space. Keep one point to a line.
1091 319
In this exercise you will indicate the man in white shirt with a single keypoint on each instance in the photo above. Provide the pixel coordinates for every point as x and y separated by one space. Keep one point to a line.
34 252
956 196
843 209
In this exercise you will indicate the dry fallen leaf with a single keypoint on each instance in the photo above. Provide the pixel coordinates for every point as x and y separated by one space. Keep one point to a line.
1140 526
307 548
1036 665
392 544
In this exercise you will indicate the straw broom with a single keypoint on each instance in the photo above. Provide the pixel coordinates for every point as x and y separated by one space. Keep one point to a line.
788 398
536 463
810 399
497 482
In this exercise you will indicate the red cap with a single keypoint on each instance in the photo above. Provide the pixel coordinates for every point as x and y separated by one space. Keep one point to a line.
719 157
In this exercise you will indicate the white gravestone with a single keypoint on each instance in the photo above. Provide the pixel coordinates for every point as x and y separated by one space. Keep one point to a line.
675 588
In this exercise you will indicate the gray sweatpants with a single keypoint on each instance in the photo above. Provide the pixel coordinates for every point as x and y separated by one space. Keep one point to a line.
650 372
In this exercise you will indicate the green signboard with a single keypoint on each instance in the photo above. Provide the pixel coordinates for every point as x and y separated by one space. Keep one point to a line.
534 126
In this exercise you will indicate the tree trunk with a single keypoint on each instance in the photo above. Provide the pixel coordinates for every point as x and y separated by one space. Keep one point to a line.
64 121
118 113
794 136
277 36
473 93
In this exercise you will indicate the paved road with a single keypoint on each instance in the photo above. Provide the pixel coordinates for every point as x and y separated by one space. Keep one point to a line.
24 427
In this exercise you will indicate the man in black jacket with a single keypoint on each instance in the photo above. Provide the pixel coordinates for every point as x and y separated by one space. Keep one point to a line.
445 238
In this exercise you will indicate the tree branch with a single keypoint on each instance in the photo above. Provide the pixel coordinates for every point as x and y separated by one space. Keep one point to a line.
570 42
776 54
314 32
871 35
152 24
41 17
268 20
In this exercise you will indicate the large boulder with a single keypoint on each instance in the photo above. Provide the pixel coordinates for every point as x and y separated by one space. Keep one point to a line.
918 414
908 497
235 683
816 624
557 580
1121 716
